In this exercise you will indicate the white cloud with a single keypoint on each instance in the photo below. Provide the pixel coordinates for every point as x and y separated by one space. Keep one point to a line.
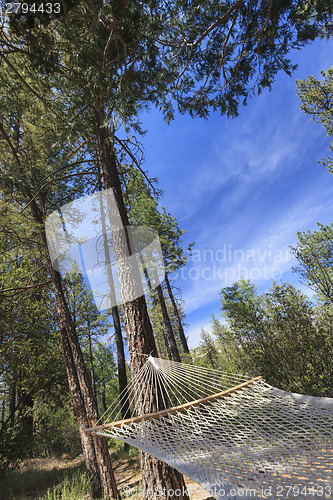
262 259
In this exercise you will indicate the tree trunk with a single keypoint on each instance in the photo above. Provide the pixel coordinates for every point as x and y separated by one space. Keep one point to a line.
168 326
91 360
165 344
3 410
105 408
95 449
121 362
25 420
12 399
122 376
176 313
140 338
88 447
83 387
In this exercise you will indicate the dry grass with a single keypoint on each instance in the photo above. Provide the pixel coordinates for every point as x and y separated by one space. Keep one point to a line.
35 476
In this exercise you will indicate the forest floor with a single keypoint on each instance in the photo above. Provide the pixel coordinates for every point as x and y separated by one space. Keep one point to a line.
34 478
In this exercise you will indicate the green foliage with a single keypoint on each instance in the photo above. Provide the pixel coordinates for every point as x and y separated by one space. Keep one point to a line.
86 317
10 449
143 210
133 452
220 350
208 349
280 338
314 253
71 488
194 56
31 364
33 481
107 387
229 351
156 318
55 427
317 100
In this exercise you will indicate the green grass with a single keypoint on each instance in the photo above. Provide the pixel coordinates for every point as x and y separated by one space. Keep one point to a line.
72 488
36 483
69 483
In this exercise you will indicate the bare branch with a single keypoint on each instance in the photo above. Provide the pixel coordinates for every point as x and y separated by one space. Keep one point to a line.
21 289
217 23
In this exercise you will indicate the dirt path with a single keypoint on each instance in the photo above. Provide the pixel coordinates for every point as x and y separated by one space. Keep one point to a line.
129 481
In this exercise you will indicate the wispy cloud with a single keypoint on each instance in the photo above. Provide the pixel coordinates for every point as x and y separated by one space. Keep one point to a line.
246 185
216 262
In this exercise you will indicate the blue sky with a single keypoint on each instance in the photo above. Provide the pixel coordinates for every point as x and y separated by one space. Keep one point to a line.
242 188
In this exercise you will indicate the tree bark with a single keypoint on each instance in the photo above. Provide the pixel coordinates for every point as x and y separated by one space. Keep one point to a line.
82 386
95 449
176 313
168 326
12 399
88 447
166 345
25 422
91 361
140 338
121 362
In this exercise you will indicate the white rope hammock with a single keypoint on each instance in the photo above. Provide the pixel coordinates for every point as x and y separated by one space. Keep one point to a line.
235 437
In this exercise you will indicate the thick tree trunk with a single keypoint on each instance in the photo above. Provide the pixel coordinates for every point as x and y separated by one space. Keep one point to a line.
25 419
83 388
168 326
140 338
161 479
121 362
176 313
95 449
88 447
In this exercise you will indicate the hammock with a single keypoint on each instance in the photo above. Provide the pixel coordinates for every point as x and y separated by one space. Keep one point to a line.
237 438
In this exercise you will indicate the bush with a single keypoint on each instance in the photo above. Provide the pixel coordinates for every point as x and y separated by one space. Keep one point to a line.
10 449
56 430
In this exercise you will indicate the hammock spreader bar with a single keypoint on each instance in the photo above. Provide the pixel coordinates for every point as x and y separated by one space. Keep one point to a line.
174 409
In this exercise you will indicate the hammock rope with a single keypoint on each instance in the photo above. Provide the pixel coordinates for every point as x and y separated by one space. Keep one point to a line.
233 436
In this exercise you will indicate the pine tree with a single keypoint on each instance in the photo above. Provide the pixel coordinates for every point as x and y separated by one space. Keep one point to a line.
111 59
33 147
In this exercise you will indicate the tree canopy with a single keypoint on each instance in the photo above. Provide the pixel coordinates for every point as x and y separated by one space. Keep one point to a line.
279 337
186 55
314 253
317 100
73 85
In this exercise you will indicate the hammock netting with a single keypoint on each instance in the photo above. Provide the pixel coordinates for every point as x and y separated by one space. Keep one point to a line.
233 436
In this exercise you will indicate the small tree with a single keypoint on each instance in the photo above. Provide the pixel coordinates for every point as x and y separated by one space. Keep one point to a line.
279 336
317 100
208 349
314 253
